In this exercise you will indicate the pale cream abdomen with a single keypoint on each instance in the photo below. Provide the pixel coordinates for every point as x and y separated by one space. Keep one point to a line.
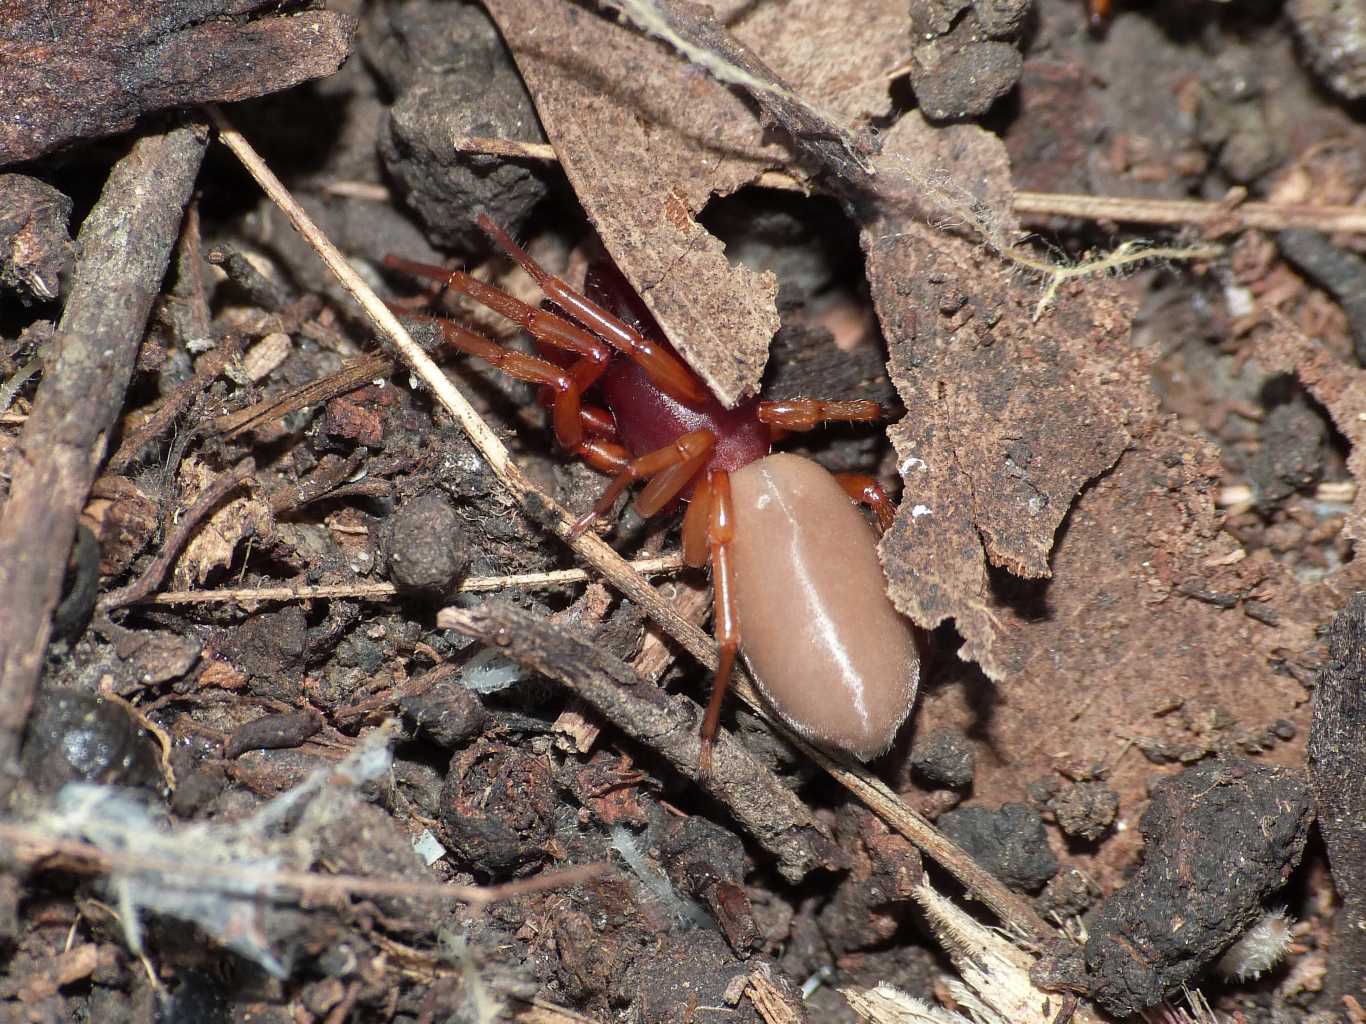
825 645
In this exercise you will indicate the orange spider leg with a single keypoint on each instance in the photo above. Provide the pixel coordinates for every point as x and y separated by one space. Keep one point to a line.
671 467
720 534
603 455
533 369
541 324
696 521
596 420
868 491
809 413
667 372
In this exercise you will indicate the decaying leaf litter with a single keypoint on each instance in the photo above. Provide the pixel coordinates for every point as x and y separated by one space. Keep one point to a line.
1053 512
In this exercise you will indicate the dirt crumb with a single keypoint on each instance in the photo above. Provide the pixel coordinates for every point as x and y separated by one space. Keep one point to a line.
1219 839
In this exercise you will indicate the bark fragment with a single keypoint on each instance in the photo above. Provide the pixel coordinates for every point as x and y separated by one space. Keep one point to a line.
1337 766
1006 418
71 70
126 245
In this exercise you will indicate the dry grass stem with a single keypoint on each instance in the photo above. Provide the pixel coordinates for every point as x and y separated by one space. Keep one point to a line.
30 846
510 148
1174 212
380 591
1014 911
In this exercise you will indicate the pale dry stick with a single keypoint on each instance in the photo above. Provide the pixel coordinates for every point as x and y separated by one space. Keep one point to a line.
31 846
617 570
1266 216
535 502
365 190
544 152
542 1011
510 148
1172 212
1241 497
473 585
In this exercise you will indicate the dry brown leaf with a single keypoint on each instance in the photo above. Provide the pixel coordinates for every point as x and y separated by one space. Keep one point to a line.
1039 448
213 545
825 56
646 142
837 152
1006 419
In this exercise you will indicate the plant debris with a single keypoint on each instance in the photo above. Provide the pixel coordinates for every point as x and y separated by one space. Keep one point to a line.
126 59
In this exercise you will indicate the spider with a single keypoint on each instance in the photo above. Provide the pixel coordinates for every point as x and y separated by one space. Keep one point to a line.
797 586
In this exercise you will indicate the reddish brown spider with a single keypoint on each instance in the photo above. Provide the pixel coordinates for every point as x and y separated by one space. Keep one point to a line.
796 580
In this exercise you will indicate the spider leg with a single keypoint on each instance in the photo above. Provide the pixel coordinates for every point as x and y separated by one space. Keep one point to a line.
809 413
543 325
669 469
866 490
725 622
668 373
696 522
604 455
567 406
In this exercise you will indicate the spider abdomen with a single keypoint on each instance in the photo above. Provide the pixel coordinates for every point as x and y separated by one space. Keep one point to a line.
821 637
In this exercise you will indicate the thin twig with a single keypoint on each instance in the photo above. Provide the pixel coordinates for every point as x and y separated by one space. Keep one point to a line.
228 349
125 244
1013 910
366 190
510 148
33 847
1174 212
203 506
380 591
355 373
1227 218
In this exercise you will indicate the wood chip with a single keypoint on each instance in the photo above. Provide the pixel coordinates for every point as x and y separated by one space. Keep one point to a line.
78 71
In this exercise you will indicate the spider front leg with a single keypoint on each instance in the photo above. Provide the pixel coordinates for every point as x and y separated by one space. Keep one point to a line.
709 530
549 331
669 470
567 409
667 372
